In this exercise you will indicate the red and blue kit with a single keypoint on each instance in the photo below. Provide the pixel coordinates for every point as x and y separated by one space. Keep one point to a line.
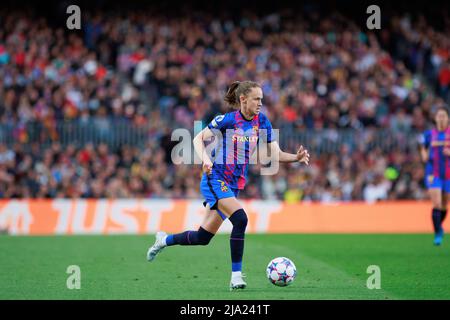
437 168
237 139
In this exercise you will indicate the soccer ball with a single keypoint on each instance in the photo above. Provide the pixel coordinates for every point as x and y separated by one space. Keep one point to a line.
281 271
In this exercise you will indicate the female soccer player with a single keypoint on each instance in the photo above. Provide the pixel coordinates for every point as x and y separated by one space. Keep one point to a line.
223 177
435 153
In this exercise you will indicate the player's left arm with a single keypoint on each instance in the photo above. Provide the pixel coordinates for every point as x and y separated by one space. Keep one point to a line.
302 154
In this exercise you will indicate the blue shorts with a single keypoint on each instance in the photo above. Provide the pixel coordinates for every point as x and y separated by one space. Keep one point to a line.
436 182
213 190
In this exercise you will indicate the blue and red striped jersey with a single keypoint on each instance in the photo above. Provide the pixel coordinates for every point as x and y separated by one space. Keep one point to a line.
435 141
238 138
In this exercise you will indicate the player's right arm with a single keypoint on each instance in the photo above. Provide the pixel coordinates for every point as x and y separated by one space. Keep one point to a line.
424 145
218 123
423 154
200 149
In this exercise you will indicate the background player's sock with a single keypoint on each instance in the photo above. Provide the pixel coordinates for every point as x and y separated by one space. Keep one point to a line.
436 215
190 238
239 221
443 215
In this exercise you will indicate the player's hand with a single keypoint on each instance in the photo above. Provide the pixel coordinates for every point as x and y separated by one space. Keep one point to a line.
303 155
447 152
207 167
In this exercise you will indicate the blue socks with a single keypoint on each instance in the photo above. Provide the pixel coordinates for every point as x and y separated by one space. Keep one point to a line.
443 215
203 237
236 266
169 240
239 221
190 238
436 216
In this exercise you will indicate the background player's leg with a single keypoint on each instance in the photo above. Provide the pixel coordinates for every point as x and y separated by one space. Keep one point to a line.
436 199
233 209
445 197
202 236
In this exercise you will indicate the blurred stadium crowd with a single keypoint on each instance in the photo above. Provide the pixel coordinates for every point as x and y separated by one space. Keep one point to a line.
160 72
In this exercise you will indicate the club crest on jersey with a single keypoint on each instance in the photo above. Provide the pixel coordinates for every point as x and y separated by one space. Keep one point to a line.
430 178
255 129
223 186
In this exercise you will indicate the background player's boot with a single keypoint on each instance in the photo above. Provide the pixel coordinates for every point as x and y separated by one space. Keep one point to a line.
157 246
237 282
438 237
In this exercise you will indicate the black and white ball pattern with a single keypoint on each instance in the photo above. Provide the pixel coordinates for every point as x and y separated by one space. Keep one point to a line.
281 271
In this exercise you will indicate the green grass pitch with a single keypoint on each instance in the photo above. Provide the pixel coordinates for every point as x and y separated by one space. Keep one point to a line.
330 266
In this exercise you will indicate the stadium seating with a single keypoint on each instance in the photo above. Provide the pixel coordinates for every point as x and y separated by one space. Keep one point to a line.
90 114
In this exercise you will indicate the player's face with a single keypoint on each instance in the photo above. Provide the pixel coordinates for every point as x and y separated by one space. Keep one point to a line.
253 101
441 119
